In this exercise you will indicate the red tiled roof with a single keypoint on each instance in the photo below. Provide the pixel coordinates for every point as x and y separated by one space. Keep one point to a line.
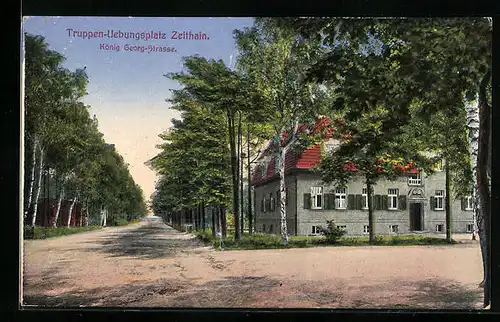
308 160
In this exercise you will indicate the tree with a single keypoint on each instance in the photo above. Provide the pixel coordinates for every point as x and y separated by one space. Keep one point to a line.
273 58
219 89
417 48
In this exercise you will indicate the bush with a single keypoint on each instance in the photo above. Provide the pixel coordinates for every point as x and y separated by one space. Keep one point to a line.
121 222
205 236
331 232
49 232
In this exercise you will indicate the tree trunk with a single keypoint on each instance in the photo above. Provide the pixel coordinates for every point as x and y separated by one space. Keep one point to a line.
217 220
249 181
483 182
282 150
203 223
234 173
32 178
214 228
223 213
71 210
105 216
281 166
473 133
86 212
242 211
58 211
447 198
39 186
369 190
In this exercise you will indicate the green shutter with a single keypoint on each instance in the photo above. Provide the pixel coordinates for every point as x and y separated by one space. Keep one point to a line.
307 201
402 202
432 203
350 202
327 201
463 203
334 203
385 202
378 202
359 202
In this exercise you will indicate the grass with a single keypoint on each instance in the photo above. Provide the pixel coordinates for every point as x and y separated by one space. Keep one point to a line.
50 232
263 241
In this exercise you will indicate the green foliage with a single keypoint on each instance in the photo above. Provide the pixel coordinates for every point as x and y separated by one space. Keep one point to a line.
264 241
50 232
68 140
331 232
121 222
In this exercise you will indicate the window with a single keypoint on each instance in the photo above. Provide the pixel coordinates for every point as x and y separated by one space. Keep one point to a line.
340 198
438 200
393 198
438 166
469 228
270 229
393 228
317 197
366 229
342 227
469 205
272 202
439 228
263 228
414 179
364 201
316 230
265 204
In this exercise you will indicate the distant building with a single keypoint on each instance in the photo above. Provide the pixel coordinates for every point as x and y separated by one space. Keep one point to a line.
412 203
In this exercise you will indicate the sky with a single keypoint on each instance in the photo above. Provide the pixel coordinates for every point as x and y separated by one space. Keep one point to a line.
127 89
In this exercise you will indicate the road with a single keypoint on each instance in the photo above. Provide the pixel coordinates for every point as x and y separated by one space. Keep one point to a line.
151 265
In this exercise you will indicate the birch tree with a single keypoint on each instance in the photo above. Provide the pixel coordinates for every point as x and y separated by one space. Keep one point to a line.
274 60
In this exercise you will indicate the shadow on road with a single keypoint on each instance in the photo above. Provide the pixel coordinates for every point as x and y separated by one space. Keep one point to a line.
152 240
252 291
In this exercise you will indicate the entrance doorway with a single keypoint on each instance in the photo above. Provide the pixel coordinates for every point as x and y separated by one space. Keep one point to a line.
416 217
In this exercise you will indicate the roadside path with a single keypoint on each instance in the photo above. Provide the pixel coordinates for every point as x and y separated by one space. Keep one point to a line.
152 265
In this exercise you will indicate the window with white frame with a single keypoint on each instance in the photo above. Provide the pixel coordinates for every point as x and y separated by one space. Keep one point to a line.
272 202
469 205
340 198
343 227
317 197
439 200
364 200
270 229
393 198
316 230
366 229
414 179
263 228
393 228
439 228
469 228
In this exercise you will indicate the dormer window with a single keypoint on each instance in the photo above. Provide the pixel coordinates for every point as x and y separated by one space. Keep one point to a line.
414 179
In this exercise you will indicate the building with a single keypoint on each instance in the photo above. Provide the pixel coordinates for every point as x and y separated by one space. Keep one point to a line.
412 203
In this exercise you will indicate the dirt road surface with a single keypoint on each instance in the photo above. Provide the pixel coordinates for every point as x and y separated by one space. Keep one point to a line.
151 265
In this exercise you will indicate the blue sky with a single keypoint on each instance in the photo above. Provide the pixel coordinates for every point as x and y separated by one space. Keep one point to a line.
127 90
